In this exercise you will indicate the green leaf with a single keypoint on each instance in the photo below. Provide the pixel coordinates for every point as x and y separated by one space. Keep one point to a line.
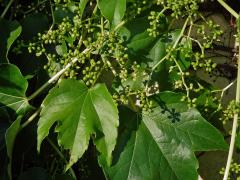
132 28
10 137
13 87
129 121
237 141
113 10
141 41
82 5
72 7
184 57
193 123
61 49
3 128
9 31
157 52
60 13
136 80
164 144
238 25
143 47
80 113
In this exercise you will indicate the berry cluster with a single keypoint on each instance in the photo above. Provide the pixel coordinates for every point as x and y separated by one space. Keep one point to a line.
228 113
181 8
157 23
135 99
61 45
234 171
209 32
136 7
65 41
201 62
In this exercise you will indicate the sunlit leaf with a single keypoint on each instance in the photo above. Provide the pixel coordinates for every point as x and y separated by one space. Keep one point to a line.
164 144
113 10
80 113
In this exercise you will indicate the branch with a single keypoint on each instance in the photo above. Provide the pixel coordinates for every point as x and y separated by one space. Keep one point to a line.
228 8
55 77
235 119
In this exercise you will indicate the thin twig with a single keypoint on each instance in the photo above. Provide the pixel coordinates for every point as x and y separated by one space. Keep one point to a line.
228 8
174 45
168 54
55 77
235 122
6 9
32 117
61 156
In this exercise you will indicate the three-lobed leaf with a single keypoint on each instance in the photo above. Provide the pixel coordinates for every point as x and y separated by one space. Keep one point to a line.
80 113
164 144
13 87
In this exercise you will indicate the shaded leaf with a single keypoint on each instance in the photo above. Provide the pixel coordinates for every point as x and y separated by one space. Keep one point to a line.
9 31
13 87
185 54
63 177
158 50
34 24
35 173
3 128
141 41
80 112
61 49
82 5
10 137
136 80
60 13
237 141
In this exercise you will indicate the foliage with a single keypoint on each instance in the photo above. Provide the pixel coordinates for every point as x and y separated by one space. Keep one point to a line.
111 83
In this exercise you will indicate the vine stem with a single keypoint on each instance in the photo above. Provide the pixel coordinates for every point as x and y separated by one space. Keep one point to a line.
31 118
228 8
174 45
61 156
169 53
55 77
235 120
6 9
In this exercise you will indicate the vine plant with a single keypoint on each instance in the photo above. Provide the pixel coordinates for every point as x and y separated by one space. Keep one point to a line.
113 77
